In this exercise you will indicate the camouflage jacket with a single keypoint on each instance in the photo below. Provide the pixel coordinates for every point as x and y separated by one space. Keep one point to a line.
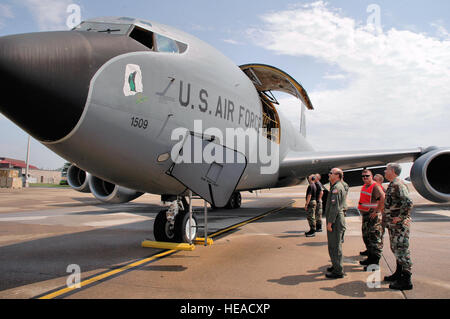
397 202
346 187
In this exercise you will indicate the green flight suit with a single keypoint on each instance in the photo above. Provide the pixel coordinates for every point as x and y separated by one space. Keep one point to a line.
334 214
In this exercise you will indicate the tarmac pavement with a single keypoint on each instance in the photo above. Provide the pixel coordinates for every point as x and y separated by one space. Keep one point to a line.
44 232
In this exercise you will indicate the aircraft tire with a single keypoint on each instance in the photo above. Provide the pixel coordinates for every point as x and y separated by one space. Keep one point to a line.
238 201
161 228
235 201
181 228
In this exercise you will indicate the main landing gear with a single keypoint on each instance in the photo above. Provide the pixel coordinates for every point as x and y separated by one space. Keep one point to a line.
235 201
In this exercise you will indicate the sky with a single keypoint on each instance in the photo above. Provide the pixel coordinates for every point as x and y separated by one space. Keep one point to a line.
377 72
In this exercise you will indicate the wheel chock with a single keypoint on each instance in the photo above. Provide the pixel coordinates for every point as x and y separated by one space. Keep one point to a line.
201 241
167 245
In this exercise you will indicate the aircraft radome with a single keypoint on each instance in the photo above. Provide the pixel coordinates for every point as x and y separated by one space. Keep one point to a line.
144 107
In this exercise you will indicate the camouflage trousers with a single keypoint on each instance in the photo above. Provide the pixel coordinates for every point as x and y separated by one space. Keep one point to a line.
399 238
318 214
310 214
372 233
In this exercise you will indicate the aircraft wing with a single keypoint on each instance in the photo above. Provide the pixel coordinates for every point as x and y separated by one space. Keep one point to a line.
298 165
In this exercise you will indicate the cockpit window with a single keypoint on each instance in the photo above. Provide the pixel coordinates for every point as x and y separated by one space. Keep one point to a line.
151 40
157 42
112 28
164 44
143 36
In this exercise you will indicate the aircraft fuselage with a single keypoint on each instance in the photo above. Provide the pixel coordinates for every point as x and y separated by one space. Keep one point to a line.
129 117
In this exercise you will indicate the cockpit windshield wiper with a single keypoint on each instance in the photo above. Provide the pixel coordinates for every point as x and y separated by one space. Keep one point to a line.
109 30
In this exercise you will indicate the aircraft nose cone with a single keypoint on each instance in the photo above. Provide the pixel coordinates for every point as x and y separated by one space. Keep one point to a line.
45 77
44 82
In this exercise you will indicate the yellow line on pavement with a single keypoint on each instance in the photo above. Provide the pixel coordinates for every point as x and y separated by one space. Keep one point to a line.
106 275
146 260
250 220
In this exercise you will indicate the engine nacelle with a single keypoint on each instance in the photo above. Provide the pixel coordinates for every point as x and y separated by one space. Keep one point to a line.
111 193
430 175
78 179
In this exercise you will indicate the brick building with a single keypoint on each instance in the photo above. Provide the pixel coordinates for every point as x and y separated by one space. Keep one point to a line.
36 175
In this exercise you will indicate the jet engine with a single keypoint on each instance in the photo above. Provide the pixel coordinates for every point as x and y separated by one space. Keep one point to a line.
111 193
78 179
430 175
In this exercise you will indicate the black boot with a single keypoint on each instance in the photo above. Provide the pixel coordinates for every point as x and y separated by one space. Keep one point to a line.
375 260
403 283
311 233
396 275
367 261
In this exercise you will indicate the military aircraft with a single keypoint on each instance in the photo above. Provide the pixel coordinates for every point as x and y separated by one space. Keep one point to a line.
109 95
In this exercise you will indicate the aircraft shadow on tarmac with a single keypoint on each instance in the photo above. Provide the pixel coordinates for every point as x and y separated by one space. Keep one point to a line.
423 213
287 214
48 258
38 260
433 206
170 268
139 209
83 201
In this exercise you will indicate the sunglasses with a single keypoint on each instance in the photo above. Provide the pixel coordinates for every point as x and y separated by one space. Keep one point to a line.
364 176
331 173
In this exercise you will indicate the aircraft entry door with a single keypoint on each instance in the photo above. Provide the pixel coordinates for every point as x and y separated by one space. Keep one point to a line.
214 177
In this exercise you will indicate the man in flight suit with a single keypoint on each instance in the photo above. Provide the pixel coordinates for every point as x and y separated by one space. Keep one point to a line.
335 223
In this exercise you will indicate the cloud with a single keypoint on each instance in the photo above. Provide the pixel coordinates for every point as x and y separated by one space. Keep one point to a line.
50 15
5 13
202 28
440 29
334 77
398 94
231 41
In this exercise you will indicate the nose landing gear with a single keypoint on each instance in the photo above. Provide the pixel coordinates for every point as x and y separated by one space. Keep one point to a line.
172 224
178 224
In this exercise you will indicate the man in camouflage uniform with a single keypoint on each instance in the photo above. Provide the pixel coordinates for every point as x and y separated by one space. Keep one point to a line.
346 187
310 206
345 208
319 207
398 206
335 223
370 205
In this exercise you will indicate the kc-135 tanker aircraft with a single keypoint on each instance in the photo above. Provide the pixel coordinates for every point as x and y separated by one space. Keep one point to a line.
139 107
